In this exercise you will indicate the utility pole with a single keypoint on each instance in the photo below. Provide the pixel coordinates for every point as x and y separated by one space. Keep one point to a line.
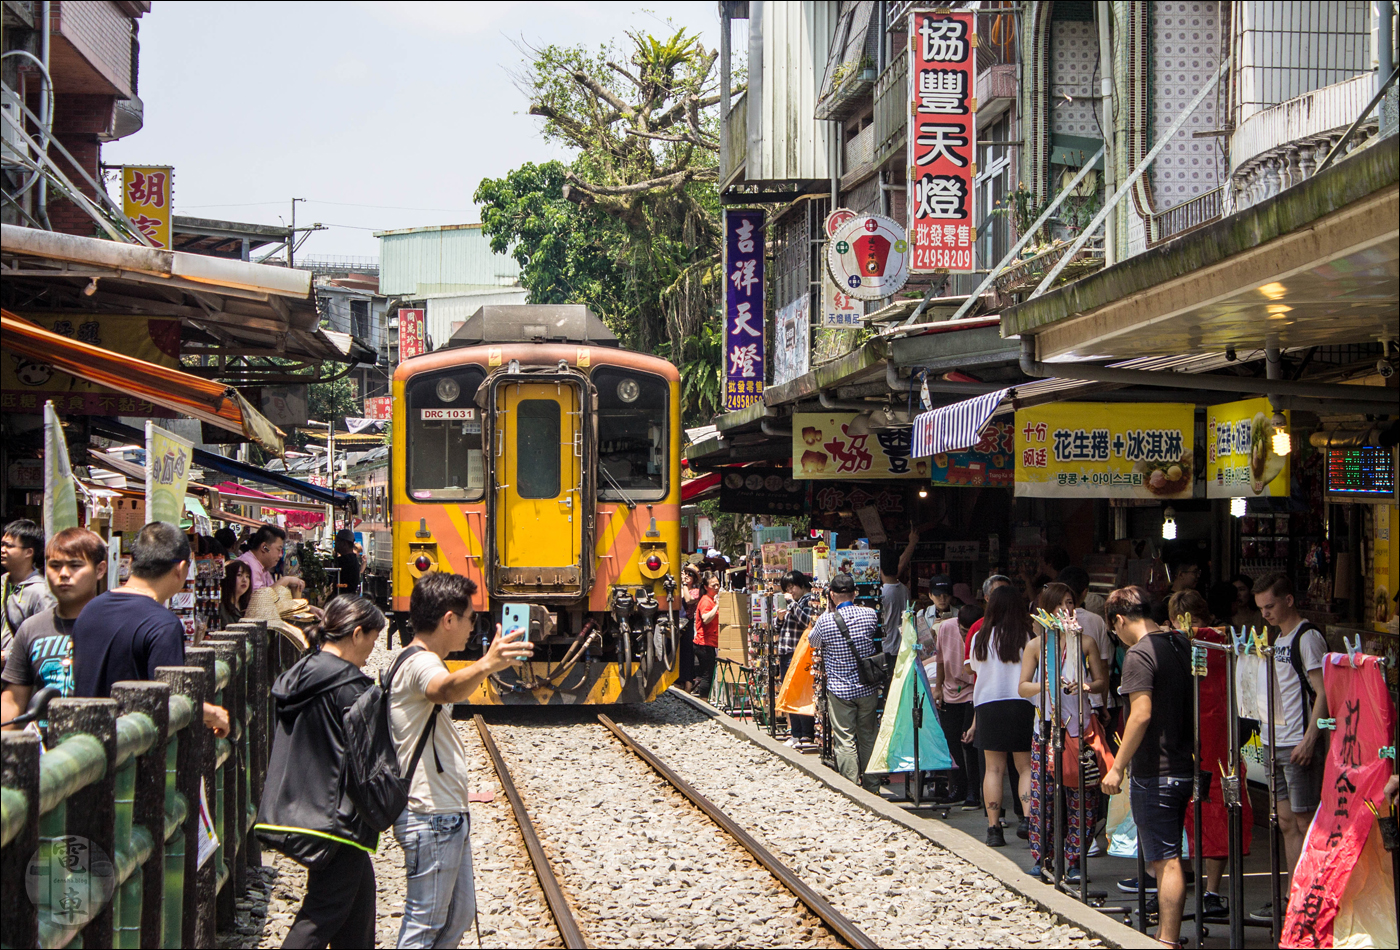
292 234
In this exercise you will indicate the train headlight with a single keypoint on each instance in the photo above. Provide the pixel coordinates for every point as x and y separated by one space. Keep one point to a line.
628 390
448 390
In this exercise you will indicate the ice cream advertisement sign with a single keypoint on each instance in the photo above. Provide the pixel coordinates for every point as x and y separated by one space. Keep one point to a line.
1106 450
1240 457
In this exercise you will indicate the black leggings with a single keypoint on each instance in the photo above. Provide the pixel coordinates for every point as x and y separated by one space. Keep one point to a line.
705 660
955 718
338 910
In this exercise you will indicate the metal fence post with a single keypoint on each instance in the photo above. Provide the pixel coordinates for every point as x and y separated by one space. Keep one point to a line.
195 764
92 809
19 774
153 699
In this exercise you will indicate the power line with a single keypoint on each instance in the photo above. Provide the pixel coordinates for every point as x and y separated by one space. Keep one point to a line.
342 204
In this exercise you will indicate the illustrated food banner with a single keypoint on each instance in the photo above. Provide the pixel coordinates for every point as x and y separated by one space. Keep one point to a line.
1240 457
992 461
824 447
1105 450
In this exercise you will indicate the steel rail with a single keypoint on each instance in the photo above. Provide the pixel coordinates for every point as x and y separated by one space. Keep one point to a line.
549 883
833 918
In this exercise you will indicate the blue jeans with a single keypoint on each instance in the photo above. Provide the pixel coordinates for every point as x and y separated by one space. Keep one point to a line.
441 897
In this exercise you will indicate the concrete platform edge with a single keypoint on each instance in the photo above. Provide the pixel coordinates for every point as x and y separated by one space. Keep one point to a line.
1006 871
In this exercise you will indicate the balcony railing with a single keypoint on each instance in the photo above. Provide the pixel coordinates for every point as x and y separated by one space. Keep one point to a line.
892 107
1187 216
858 152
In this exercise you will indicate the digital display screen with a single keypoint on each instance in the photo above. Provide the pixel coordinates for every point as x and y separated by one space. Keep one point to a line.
1363 474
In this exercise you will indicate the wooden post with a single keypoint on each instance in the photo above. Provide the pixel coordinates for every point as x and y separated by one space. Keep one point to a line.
92 810
259 718
19 770
153 699
195 758
231 772
245 700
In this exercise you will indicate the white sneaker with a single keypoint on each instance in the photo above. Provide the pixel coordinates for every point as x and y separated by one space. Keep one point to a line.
792 744
1094 849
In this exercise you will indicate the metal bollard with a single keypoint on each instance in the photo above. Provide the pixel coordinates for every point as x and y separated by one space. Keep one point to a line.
148 808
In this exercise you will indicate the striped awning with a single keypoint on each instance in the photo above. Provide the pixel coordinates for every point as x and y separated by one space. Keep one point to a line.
956 427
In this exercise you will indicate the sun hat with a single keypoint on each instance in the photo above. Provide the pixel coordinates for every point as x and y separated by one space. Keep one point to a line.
262 605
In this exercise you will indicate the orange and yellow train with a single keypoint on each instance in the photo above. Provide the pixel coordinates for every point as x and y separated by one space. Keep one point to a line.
537 457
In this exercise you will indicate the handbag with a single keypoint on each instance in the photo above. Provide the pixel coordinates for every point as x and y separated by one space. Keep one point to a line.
1094 753
870 670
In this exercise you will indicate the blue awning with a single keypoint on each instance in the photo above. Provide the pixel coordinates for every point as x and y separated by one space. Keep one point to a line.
110 428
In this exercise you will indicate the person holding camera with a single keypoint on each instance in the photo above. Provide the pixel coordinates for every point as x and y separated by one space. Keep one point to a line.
845 635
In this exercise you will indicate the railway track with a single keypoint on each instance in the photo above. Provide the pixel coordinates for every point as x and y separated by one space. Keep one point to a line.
839 927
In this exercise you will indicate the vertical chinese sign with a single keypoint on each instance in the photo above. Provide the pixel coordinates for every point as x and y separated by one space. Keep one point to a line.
167 473
743 308
942 139
146 201
412 334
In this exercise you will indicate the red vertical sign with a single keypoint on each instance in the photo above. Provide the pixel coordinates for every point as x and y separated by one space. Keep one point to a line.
412 334
942 139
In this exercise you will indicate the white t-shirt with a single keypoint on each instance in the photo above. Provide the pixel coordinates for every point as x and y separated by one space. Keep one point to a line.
1290 691
995 680
1095 629
430 792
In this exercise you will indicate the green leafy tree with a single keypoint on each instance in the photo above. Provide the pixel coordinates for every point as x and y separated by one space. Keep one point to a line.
630 226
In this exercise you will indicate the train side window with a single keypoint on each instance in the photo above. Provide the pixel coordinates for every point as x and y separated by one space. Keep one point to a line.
445 461
537 448
633 412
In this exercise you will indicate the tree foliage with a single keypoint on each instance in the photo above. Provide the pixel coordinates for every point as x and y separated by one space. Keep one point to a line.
630 226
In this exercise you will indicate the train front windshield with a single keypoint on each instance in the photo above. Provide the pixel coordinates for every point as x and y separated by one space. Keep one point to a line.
445 461
632 437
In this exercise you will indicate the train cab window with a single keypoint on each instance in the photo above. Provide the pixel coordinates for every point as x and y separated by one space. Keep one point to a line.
632 438
445 461
537 448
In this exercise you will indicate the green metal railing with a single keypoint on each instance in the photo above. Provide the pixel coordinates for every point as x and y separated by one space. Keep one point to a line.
101 832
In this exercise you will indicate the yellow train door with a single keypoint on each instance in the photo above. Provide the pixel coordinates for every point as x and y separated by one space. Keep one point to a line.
539 503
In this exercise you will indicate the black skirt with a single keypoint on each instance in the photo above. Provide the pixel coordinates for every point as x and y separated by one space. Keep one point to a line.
1005 726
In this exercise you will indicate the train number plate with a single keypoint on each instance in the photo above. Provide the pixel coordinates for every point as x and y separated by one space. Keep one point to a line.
437 415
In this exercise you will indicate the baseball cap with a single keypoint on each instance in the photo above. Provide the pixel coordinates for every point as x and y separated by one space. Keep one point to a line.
843 584
940 584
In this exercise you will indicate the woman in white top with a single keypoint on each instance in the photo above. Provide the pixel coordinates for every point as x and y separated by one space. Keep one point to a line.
1002 718
1073 652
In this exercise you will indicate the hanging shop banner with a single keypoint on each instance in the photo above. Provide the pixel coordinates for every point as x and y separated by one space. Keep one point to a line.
863 564
146 200
413 333
991 462
942 139
25 384
792 336
167 473
379 407
762 491
743 308
1105 450
869 255
823 446
1241 461
1320 900
840 310
60 493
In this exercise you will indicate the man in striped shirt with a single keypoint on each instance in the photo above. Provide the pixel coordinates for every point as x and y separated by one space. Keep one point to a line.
851 705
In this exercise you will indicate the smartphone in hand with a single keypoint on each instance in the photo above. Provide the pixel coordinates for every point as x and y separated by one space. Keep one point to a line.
516 617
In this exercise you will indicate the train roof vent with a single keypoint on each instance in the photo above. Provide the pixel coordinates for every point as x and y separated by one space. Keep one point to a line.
533 323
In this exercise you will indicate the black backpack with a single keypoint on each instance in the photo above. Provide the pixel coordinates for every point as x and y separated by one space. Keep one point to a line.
1295 659
372 777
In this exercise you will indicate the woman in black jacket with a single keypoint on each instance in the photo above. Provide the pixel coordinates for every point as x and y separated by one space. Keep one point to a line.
306 812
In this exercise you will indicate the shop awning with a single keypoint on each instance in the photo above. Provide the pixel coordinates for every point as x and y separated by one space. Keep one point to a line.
693 489
955 427
111 429
202 399
297 514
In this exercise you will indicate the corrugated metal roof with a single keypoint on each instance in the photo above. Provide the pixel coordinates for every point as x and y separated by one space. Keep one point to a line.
447 313
788 48
444 259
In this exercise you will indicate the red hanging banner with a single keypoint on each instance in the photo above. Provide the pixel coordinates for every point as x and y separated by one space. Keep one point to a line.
1360 704
942 139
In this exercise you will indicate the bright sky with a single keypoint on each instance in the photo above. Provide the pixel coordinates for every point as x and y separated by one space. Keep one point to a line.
382 115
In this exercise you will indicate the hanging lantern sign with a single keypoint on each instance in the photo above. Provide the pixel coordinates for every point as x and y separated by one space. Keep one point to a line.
868 257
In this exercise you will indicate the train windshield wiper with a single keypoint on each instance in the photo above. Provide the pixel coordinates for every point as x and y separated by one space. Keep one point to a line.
632 505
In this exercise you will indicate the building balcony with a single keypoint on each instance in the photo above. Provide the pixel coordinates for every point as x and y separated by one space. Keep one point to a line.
892 108
734 141
996 91
1280 146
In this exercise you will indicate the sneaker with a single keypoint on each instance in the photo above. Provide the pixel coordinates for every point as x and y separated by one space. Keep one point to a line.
972 804
1094 849
1129 885
1264 914
1152 910
1071 876
790 743
1215 907
1023 829
996 838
